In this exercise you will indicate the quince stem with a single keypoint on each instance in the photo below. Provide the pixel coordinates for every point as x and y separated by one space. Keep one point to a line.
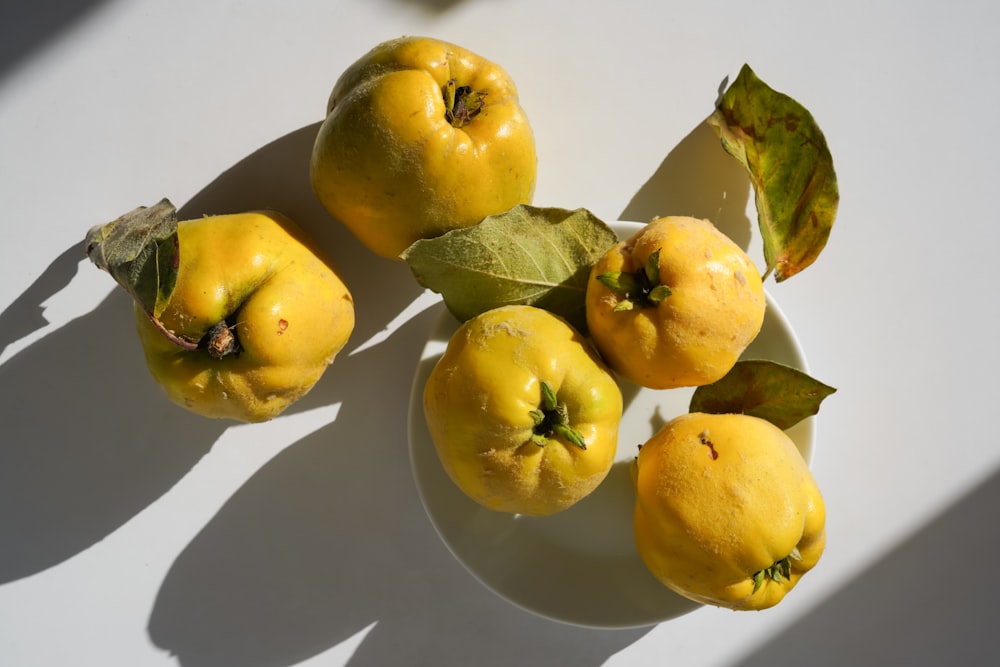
552 419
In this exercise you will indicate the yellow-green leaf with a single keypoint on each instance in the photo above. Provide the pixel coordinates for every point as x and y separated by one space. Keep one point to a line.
790 167
529 255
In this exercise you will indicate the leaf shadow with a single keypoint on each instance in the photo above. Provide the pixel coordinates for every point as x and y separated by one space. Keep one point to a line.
330 538
26 314
699 179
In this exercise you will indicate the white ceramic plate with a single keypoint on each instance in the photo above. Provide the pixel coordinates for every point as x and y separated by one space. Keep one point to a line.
580 566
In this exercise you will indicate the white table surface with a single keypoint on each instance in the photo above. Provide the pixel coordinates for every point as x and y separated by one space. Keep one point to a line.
134 534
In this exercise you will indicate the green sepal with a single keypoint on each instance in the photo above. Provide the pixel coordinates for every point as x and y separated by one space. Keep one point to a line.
778 572
619 282
552 418
549 399
652 268
758 580
570 434
659 293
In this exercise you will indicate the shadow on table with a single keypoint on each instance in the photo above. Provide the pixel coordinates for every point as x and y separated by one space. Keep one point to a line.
26 314
26 26
431 6
89 438
330 537
699 179
933 600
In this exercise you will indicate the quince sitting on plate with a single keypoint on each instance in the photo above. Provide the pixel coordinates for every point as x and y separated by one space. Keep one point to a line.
523 414
727 512
421 136
675 305
239 315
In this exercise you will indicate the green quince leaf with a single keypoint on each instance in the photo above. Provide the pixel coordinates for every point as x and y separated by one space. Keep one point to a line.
529 255
141 252
778 393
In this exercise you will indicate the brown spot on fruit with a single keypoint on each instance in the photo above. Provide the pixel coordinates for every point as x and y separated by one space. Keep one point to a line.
703 439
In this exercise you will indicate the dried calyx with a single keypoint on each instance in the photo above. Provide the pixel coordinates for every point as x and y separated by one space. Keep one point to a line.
462 103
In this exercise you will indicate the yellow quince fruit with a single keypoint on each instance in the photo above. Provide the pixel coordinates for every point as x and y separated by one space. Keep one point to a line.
523 414
727 512
421 136
239 315
675 305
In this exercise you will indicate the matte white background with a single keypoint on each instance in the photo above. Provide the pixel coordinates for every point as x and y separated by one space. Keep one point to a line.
133 533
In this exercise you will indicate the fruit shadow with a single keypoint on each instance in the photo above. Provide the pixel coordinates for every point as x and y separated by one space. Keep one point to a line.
699 179
89 439
329 541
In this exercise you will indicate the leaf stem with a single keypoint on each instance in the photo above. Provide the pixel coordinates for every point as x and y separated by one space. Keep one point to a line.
171 336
